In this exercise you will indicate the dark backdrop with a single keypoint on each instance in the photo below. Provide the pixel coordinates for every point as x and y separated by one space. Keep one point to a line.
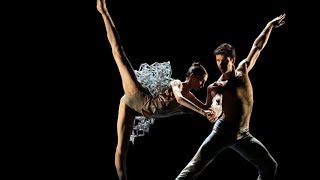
87 87
183 32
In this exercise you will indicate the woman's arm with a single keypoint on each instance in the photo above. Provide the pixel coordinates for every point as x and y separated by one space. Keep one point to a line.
177 88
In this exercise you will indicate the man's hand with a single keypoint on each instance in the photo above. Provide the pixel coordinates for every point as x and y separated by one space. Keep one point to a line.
278 21
211 116
220 84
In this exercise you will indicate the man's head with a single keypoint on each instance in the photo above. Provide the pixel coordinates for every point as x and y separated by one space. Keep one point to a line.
225 55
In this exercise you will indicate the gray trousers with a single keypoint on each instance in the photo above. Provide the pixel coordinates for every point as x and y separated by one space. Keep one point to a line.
225 135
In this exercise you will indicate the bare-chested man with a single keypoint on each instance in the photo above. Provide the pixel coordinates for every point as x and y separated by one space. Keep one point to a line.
233 92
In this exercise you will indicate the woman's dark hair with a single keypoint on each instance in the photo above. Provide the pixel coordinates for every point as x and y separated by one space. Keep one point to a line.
197 69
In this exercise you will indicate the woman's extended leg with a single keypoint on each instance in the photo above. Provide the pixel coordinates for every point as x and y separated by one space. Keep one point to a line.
124 129
130 86
129 81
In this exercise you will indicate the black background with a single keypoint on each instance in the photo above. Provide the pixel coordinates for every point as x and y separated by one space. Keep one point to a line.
84 87
189 31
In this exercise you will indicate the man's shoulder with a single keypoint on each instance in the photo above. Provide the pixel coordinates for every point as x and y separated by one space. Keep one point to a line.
213 86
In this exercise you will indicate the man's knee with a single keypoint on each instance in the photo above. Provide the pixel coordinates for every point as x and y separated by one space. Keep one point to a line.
274 166
269 168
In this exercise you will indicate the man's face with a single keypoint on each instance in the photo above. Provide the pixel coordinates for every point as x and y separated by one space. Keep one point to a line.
224 63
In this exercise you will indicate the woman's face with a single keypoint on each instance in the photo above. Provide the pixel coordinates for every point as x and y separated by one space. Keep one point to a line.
199 81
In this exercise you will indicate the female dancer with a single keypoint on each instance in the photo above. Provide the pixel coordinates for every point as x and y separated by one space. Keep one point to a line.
138 99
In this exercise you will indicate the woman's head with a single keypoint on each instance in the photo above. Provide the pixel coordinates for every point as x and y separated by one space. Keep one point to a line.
197 75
